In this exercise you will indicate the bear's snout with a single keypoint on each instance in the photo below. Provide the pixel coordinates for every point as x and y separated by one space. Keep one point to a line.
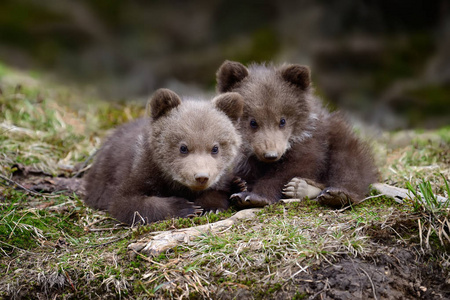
199 171
269 146
201 178
271 155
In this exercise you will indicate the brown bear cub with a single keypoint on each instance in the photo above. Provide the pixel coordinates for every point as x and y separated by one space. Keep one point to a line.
289 137
176 162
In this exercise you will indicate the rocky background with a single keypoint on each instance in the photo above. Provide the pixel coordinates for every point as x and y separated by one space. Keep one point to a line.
388 62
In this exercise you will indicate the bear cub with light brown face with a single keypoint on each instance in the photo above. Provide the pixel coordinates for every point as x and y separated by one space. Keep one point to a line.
289 137
174 163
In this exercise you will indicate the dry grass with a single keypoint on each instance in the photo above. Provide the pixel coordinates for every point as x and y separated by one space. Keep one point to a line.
54 246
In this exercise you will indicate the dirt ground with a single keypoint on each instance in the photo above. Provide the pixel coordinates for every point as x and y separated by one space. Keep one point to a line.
396 275
394 272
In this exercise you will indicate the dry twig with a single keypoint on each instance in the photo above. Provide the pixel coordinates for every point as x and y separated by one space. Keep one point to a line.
371 283
168 239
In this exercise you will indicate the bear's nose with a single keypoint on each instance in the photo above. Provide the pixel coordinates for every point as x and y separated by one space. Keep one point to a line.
201 178
271 155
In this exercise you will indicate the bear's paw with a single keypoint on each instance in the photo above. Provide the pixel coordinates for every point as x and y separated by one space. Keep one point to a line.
249 200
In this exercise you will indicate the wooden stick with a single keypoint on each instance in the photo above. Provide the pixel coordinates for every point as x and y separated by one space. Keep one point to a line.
169 239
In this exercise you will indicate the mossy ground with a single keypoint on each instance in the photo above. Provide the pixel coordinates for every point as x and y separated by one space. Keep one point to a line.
52 245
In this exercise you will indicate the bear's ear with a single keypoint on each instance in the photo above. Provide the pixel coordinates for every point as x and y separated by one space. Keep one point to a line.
230 73
232 104
297 75
162 101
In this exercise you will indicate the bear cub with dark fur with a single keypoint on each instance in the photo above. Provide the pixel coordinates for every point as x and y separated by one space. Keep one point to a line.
288 135
176 162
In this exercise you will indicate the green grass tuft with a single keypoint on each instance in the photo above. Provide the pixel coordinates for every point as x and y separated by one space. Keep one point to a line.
434 223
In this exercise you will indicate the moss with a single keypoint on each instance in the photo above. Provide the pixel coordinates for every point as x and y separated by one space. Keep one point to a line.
28 228
300 296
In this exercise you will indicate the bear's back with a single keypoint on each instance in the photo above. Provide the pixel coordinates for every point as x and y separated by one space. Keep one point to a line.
113 162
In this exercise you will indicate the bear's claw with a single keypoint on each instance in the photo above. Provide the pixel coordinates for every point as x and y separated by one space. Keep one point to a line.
198 211
238 185
249 200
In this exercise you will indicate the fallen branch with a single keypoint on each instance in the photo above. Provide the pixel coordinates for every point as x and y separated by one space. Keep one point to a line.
168 239
398 194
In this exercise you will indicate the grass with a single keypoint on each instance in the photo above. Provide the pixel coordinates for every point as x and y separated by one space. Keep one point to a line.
435 213
52 245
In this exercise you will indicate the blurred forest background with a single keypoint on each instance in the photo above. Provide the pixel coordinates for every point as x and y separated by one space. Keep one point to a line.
387 60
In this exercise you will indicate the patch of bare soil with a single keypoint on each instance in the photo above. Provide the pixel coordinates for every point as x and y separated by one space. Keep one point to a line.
396 275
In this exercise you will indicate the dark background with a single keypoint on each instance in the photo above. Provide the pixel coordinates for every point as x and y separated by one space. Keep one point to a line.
386 61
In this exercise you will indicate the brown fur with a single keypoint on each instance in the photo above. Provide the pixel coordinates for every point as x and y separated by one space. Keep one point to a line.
166 164
287 133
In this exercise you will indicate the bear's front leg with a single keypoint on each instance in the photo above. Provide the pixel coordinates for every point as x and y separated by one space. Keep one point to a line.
264 191
137 209
242 198
213 201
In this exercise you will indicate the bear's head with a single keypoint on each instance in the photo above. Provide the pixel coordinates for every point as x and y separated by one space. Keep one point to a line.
194 142
278 106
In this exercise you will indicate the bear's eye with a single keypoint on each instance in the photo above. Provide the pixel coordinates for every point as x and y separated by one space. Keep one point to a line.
253 123
215 150
184 149
282 122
